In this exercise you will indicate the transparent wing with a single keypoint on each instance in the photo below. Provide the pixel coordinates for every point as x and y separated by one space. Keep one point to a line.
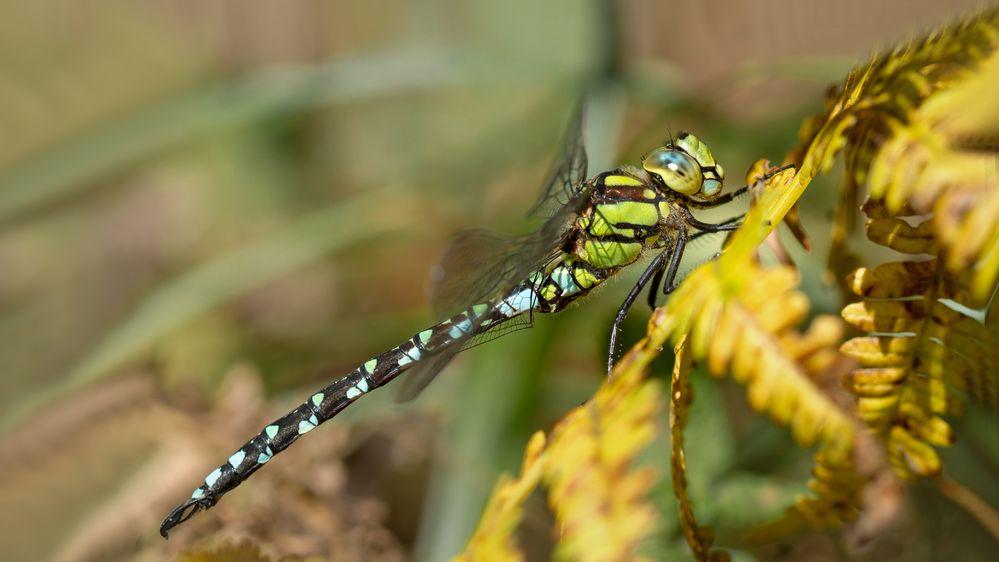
475 266
480 267
568 172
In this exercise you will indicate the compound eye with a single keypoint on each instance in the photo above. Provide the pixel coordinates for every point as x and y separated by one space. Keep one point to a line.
678 170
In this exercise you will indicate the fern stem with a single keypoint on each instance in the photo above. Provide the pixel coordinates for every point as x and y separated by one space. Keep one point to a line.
971 502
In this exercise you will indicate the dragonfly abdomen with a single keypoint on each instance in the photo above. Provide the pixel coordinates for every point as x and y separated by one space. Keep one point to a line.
333 398
570 279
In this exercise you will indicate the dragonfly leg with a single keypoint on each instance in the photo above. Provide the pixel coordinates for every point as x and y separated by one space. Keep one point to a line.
653 270
730 224
733 194
654 287
724 198
674 262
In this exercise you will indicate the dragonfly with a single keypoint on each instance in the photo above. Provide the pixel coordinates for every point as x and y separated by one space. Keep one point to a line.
594 227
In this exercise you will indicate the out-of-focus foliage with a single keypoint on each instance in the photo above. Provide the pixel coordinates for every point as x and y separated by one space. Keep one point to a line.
242 552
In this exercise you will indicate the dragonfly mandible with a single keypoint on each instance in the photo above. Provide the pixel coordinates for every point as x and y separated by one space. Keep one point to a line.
594 228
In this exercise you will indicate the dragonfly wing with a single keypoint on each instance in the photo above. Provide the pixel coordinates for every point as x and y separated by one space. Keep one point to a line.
423 373
472 270
480 267
567 173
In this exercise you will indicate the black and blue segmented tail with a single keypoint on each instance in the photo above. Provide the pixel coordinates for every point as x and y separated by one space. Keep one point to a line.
329 401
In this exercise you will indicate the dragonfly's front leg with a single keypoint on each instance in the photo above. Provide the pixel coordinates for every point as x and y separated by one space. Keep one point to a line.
708 227
728 197
728 224
669 281
669 284
654 287
654 270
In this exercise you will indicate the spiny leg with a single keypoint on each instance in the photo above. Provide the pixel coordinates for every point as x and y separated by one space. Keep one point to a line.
653 270
721 200
674 262
654 287
728 224
733 194
669 284
707 227
656 270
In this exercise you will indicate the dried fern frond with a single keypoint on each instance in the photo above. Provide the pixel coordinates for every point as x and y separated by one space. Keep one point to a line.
742 318
746 326
920 130
922 357
749 330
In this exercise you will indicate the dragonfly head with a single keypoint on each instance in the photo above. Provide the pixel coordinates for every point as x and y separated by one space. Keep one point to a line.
686 165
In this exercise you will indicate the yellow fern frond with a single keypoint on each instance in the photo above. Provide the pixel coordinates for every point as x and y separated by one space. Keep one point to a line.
922 356
598 498
751 334
493 538
742 318
919 127
746 327
915 124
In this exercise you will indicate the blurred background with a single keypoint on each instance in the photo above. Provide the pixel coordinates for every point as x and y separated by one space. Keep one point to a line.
208 210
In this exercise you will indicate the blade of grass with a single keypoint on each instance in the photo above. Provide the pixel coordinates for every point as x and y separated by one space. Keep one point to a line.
220 280
491 419
74 166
